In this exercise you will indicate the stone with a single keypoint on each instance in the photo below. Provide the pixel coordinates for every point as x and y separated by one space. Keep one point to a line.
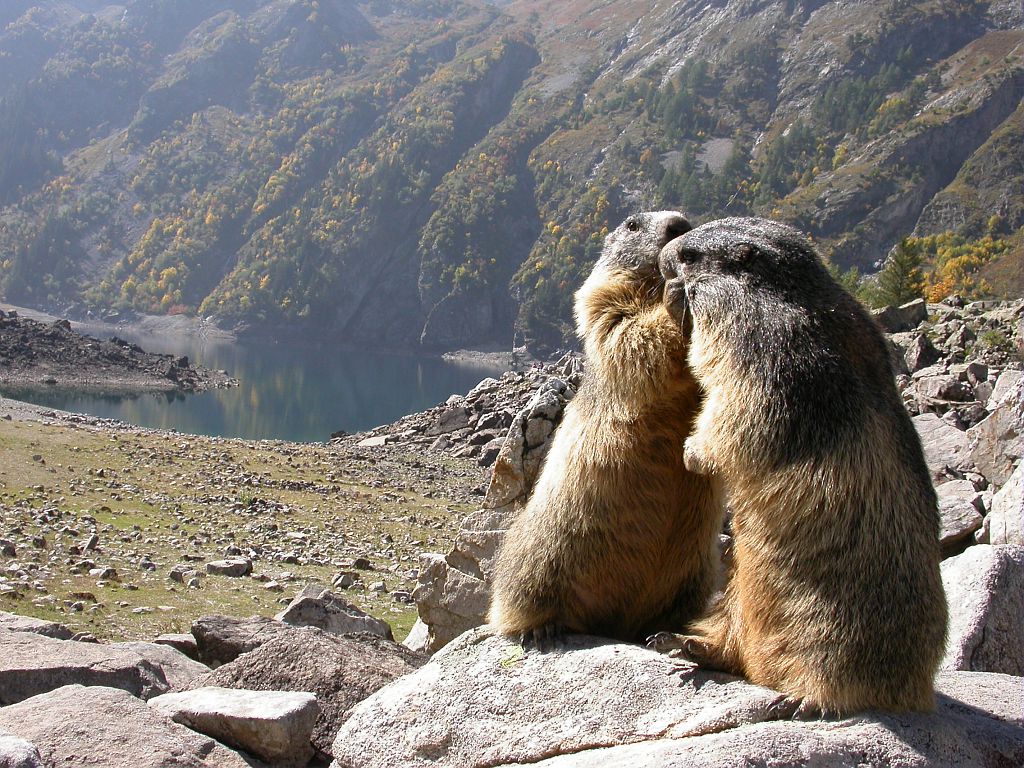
231 568
340 670
960 511
450 420
483 701
902 318
944 388
178 668
18 753
997 442
985 592
1006 385
97 726
221 639
180 642
7 548
919 353
32 664
1006 515
274 726
16 623
316 606
944 445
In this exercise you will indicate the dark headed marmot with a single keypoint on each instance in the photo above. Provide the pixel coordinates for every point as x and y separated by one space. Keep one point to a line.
834 597
618 538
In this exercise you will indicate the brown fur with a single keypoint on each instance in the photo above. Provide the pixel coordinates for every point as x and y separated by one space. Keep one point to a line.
617 539
834 596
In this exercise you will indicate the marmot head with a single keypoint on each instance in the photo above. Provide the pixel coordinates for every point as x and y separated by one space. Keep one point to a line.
634 245
722 267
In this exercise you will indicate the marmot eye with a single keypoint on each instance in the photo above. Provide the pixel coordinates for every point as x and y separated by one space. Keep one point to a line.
632 225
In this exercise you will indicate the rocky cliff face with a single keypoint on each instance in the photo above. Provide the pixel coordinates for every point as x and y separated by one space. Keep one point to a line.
440 174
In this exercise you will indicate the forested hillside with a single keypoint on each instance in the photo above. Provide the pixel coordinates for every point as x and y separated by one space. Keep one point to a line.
441 173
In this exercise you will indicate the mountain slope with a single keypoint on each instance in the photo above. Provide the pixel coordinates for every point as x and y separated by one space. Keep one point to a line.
441 173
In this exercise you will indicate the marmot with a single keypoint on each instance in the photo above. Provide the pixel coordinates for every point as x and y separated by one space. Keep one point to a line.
834 597
617 539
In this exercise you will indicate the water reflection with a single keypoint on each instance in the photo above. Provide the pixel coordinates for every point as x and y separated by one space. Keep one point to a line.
286 391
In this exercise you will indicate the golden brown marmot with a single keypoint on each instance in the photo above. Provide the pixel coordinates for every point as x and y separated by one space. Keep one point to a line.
834 597
618 538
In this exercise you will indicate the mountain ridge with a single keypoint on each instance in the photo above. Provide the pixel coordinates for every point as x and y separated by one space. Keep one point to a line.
441 173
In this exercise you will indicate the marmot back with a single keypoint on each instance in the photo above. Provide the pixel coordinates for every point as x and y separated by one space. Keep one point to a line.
835 596
617 539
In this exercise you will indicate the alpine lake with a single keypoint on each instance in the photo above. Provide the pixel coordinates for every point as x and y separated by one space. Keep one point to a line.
286 391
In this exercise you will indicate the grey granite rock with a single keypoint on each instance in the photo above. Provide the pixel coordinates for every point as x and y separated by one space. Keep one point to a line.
97 726
482 702
985 591
275 726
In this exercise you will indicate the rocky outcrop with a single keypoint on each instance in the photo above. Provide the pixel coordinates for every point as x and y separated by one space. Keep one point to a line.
52 354
483 702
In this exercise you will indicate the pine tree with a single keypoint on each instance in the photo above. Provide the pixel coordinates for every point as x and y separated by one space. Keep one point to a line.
900 280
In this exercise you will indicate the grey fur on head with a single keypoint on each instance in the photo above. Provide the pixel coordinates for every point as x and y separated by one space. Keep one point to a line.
634 244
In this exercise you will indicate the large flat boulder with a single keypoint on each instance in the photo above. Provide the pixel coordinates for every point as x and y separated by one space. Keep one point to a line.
97 726
275 726
985 591
341 670
16 623
482 701
31 664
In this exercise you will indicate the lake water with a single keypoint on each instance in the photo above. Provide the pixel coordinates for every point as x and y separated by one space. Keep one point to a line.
286 391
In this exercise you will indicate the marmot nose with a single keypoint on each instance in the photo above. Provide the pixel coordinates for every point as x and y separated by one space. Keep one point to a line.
675 226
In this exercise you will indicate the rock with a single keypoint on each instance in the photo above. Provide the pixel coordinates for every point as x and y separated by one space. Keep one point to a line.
902 318
483 702
31 664
178 668
234 568
15 623
274 726
1006 518
340 670
916 350
315 606
944 388
182 643
450 420
221 639
944 445
985 592
960 511
997 443
98 726
1006 385
18 753
7 548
